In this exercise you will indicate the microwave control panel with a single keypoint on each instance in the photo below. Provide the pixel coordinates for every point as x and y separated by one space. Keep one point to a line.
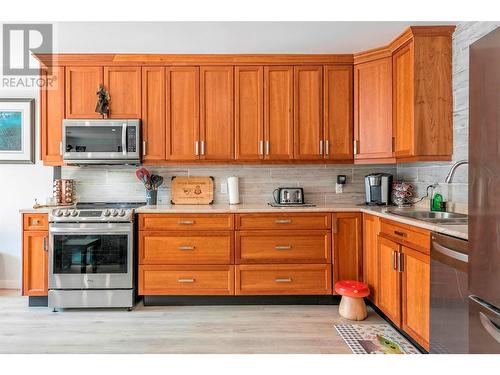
131 138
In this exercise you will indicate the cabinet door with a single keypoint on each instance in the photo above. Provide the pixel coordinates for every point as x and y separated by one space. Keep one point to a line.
52 115
124 86
389 293
82 84
347 245
248 108
371 225
308 112
183 113
403 94
278 116
338 112
216 126
416 295
153 114
373 110
35 263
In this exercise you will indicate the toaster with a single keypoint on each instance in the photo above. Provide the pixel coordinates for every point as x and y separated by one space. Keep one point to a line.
289 195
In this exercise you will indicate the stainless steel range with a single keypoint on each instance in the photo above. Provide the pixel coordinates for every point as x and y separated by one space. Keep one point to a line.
91 256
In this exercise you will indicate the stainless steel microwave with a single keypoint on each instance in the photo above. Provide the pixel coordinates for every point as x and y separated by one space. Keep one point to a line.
101 141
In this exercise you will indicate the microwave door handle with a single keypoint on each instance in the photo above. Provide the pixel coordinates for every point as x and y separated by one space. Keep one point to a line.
124 139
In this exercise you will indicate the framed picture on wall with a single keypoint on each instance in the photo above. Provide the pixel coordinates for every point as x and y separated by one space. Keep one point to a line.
17 128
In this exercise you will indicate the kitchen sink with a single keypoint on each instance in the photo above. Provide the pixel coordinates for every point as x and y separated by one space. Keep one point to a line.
433 216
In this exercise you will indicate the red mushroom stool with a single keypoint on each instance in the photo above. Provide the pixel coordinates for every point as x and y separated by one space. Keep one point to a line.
352 306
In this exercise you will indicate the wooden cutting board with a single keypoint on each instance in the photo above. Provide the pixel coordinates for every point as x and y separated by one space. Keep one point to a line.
192 190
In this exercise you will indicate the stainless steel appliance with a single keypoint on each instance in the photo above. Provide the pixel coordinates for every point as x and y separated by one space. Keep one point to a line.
91 256
378 188
288 195
101 141
449 298
484 202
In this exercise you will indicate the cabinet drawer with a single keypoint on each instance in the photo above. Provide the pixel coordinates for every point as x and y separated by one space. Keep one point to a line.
186 280
284 221
185 247
283 247
35 221
300 279
186 222
406 234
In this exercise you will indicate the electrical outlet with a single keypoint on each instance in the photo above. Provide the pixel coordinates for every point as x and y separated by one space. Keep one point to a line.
223 187
339 188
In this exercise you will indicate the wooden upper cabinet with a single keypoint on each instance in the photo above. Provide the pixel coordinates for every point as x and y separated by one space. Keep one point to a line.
278 112
216 109
308 112
153 114
338 112
35 263
51 116
124 86
371 228
373 111
389 279
249 112
348 246
183 113
82 84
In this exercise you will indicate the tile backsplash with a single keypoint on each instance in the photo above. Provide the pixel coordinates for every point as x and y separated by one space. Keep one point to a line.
112 183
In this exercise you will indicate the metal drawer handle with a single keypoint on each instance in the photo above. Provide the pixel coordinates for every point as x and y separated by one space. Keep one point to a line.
401 234
283 247
283 221
35 221
186 247
186 222
186 280
283 280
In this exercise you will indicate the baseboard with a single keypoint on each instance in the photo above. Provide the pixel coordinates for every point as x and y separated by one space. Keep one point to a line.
239 300
10 284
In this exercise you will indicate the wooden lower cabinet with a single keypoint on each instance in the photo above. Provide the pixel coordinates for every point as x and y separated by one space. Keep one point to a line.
35 255
389 295
285 221
371 228
298 279
186 280
347 245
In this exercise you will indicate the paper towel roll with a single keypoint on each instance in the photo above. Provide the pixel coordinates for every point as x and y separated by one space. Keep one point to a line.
233 189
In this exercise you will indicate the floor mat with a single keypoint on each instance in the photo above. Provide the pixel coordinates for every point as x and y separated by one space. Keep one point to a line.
374 339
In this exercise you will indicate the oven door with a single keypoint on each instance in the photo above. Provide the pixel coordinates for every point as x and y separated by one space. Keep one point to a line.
90 255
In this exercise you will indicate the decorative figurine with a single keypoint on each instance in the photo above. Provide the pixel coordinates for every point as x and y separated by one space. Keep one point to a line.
103 98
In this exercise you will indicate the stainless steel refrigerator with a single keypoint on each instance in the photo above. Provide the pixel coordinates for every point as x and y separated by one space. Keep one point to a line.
484 194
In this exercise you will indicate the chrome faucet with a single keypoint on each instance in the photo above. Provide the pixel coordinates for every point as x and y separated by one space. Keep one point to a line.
450 174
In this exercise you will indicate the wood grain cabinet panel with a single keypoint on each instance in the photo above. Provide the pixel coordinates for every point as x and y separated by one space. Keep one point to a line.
308 112
405 234
156 222
33 222
183 113
186 280
286 221
338 112
283 247
416 295
35 263
373 111
124 86
347 246
371 228
249 112
216 108
153 115
52 104
82 84
278 112
185 247
299 279
389 294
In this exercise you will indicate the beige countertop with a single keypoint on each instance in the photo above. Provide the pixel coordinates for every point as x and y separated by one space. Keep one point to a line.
460 231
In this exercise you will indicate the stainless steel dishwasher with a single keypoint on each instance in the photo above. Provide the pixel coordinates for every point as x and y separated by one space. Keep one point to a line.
449 299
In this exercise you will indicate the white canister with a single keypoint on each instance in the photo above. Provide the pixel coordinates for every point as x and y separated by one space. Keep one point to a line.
233 188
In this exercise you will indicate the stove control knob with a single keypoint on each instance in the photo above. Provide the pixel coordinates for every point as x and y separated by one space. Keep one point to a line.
122 212
58 213
66 213
74 213
107 213
115 212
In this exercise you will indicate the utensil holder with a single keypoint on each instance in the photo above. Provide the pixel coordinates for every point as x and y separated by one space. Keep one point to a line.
151 197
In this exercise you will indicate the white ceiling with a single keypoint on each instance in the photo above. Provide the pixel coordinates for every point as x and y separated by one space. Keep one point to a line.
225 37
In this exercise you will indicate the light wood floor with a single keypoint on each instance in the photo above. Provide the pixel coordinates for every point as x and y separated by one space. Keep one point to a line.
166 329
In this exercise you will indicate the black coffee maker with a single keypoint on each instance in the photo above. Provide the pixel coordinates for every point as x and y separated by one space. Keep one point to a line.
378 188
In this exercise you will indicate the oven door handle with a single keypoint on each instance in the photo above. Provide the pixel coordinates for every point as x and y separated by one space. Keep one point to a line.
76 230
